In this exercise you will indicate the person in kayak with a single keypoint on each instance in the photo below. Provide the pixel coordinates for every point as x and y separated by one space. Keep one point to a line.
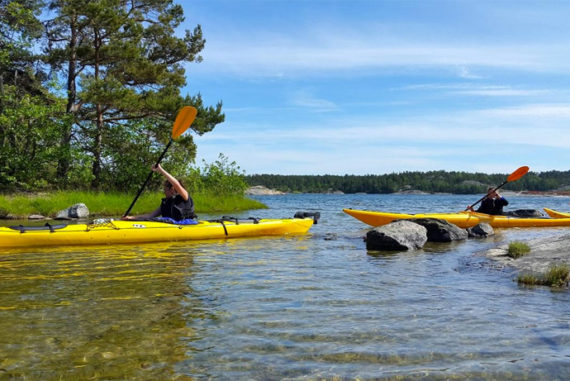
492 204
177 203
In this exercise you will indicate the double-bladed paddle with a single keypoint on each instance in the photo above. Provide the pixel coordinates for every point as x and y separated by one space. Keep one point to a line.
512 177
183 121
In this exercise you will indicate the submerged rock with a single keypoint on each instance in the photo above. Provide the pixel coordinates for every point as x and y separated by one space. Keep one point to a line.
397 235
481 230
331 237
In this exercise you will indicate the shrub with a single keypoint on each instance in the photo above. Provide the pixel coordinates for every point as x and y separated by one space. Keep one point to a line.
517 249
222 177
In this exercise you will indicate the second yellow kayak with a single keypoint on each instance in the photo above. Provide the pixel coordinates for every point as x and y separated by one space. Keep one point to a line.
461 219
556 214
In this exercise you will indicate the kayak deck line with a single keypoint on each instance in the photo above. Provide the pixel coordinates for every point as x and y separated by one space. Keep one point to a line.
47 226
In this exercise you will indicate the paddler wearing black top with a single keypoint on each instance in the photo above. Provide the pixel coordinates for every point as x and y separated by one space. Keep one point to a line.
177 203
492 204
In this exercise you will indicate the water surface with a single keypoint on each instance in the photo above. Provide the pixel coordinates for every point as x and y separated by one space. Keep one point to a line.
308 307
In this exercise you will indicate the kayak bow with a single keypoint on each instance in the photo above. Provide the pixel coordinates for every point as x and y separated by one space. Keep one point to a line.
556 214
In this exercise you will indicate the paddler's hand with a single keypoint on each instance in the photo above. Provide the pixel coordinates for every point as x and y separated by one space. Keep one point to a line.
157 168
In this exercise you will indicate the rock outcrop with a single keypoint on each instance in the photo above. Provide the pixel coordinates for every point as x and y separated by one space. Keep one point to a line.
75 211
397 235
481 230
544 253
259 190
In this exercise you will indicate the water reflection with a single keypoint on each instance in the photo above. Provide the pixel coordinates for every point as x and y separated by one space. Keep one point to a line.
96 312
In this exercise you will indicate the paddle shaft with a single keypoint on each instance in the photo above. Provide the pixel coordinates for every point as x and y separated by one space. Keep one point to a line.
148 178
484 197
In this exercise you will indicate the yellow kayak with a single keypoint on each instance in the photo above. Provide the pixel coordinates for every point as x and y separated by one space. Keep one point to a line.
461 219
119 232
556 214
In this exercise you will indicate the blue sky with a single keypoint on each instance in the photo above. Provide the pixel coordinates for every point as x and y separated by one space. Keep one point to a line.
374 87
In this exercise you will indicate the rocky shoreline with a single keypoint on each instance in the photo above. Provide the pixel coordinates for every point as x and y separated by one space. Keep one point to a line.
544 253
74 212
260 190
263 190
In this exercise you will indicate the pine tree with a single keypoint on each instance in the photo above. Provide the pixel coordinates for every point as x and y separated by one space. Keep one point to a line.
123 66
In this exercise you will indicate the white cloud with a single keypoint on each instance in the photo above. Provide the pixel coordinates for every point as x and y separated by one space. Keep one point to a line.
556 111
476 140
476 89
465 73
273 55
305 98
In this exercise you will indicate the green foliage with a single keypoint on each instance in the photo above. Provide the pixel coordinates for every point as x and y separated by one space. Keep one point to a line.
125 64
517 249
556 276
210 202
221 177
19 26
431 182
114 204
120 66
29 137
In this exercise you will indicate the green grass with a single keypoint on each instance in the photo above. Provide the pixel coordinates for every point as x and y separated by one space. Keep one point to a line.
556 276
114 204
517 249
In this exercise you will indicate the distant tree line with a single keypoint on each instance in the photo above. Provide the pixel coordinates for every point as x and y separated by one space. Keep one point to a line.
431 182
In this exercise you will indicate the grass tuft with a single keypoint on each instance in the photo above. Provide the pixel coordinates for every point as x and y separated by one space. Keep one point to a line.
556 276
517 249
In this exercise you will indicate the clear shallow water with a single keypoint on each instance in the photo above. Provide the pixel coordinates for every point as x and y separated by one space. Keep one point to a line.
284 308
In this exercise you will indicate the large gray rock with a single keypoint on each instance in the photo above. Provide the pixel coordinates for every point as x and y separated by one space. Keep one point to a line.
481 230
441 230
75 211
397 235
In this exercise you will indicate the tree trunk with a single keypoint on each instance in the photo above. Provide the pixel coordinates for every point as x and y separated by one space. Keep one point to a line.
97 144
65 141
98 140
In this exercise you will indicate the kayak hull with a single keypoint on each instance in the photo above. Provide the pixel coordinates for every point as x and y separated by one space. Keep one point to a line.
122 232
461 219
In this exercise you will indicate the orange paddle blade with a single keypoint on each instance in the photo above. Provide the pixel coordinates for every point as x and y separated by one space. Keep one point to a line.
518 174
183 121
